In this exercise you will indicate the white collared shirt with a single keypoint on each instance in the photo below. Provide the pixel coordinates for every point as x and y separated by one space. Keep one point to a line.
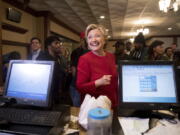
35 54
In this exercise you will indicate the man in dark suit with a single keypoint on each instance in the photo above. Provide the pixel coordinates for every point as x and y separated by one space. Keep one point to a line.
36 52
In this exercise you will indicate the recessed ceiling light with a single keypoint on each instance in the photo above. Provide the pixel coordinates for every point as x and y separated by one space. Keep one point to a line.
169 28
145 31
132 33
102 17
143 21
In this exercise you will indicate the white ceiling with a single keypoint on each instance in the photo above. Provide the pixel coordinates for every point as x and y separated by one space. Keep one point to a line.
120 15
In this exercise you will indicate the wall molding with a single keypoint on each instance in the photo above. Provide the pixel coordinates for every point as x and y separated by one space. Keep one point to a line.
13 28
57 34
1 66
14 43
163 36
35 13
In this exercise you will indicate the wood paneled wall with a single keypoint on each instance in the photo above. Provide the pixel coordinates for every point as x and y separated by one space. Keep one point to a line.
1 83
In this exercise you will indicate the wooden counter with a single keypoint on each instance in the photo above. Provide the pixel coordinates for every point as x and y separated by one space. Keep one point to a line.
75 111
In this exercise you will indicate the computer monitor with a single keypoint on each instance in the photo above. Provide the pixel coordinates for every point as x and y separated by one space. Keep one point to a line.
147 85
29 82
177 67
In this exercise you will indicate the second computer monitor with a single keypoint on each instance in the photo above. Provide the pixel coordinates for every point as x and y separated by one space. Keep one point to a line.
147 85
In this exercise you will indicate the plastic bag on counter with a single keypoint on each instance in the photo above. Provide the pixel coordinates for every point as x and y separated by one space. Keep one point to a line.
91 103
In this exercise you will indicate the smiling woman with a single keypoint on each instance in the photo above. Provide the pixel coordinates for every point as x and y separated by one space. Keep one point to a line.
97 73
96 38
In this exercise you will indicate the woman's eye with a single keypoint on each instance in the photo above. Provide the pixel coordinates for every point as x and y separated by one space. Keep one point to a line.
98 36
89 37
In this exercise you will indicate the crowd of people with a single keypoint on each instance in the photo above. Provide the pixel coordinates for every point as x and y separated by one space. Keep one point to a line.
139 51
92 70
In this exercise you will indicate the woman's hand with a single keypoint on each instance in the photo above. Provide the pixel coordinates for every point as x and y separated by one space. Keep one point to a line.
104 80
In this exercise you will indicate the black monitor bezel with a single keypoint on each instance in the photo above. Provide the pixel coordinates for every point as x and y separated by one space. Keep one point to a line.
144 105
28 102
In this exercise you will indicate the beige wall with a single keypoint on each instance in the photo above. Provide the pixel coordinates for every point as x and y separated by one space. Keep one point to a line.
0 15
28 22
35 27
22 50
54 27
1 71
40 28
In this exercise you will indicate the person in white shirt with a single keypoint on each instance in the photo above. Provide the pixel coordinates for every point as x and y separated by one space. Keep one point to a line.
36 52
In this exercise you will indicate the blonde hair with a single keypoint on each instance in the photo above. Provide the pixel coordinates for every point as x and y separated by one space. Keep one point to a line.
96 26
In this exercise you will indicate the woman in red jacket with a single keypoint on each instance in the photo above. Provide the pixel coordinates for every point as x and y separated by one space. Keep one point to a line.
96 71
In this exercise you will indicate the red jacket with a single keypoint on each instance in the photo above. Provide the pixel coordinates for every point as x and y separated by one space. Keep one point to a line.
92 67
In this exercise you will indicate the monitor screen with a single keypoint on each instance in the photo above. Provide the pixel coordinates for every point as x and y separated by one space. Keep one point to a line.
29 82
147 85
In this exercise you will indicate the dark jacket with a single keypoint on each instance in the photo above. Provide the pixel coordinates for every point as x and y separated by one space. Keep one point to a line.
40 56
138 54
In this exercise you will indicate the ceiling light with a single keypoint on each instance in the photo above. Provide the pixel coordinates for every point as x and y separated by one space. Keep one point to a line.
132 33
169 28
143 21
109 36
102 17
166 5
107 30
131 40
145 31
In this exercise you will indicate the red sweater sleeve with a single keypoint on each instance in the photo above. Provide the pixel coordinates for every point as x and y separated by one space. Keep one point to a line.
83 83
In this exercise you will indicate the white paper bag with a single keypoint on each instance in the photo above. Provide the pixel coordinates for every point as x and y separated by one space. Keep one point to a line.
91 103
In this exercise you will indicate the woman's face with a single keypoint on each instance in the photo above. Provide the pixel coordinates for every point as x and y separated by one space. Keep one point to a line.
95 40
159 49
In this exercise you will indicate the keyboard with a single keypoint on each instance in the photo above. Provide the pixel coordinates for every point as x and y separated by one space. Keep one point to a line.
30 117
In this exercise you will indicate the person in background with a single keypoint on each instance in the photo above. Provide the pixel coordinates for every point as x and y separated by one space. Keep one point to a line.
61 57
35 49
176 58
128 47
120 53
14 55
96 71
52 44
140 49
168 53
75 55
174 47
63 61
156 51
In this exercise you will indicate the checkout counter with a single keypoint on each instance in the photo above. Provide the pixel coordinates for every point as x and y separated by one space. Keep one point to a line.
117 128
